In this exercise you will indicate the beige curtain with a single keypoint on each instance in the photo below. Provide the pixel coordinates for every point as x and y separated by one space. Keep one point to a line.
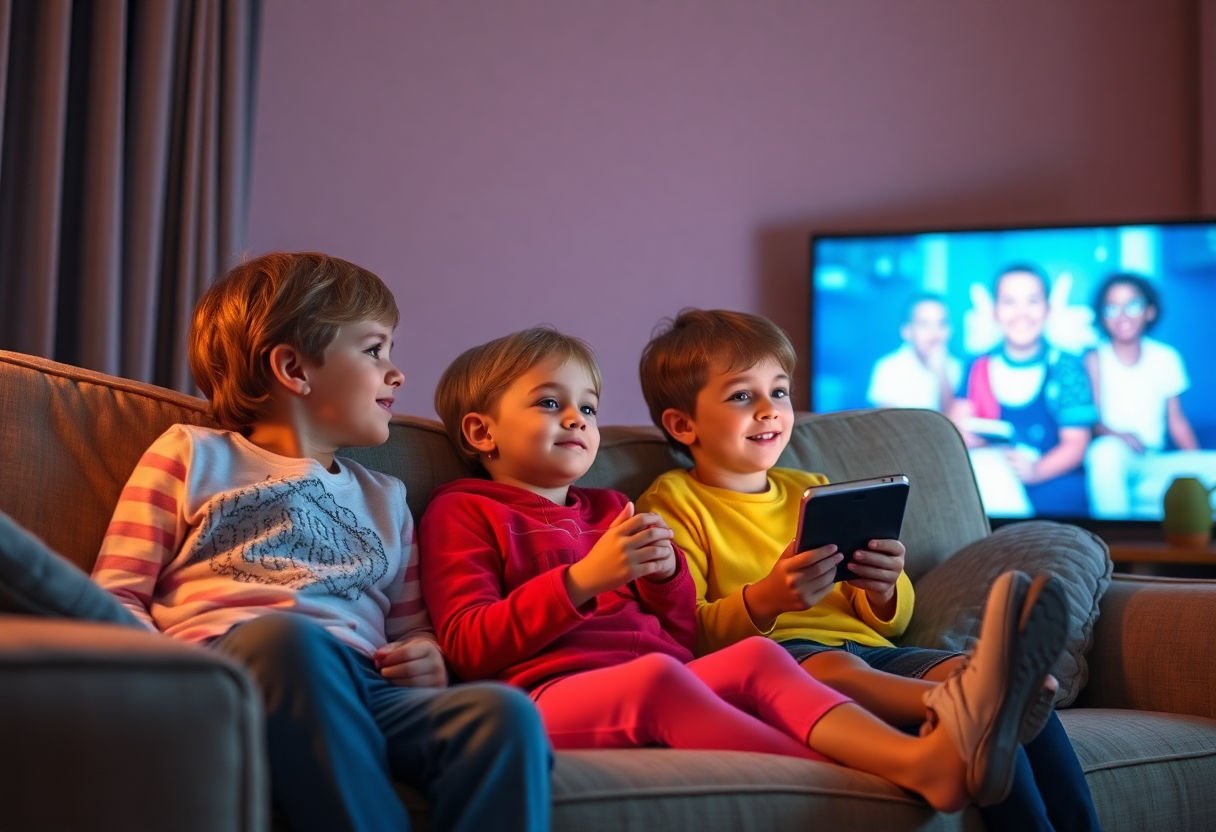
124 172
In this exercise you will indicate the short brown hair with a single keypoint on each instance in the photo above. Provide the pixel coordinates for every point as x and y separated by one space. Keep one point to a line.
298 299
476 380
676 362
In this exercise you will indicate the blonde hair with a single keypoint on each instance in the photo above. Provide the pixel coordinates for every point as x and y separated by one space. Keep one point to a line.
476 380
297 299
676 363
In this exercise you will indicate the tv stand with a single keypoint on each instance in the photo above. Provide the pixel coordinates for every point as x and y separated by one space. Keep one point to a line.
1148 557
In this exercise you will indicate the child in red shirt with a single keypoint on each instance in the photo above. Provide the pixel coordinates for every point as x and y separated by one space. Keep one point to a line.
587 605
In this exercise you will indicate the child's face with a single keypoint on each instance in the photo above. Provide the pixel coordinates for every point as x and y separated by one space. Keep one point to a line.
1125 313
350 394
741 425
544 429
1021 309
927 329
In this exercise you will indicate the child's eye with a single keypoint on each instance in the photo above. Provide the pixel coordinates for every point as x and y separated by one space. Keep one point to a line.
781 393
587 410
548 404
375 351
741 396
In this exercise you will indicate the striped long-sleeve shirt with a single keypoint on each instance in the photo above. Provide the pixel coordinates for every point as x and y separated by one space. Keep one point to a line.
212 530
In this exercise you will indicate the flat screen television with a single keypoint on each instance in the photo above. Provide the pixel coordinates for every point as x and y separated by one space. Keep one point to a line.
1079 361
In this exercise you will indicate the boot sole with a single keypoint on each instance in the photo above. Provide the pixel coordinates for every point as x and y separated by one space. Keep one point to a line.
1041 631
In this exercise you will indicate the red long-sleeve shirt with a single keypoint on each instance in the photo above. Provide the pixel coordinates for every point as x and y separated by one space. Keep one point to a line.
493 562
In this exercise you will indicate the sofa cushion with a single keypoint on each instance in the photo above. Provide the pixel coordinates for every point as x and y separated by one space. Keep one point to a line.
606 790
36 581
944 510
71 439
1145 769
950 598
113 728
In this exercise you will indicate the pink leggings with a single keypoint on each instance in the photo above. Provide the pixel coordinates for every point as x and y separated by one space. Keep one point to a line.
750 696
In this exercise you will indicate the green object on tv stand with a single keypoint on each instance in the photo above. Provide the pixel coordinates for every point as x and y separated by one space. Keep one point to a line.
1188 513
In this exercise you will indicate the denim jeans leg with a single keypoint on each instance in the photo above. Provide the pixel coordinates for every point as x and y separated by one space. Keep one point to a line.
1024 809
481 751
328 761
1070 805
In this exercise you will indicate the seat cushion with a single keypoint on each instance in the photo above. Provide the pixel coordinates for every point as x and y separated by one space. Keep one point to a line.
652 788
1146 770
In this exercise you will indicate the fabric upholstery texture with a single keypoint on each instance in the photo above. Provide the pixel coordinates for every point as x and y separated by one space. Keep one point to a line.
77 435
1152 648
950 598
84 707
1156 768
653 788
109 728
922 444
36 581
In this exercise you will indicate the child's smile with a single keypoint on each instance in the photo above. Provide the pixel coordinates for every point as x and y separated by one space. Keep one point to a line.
741 425
1021 310
1125 313
351 392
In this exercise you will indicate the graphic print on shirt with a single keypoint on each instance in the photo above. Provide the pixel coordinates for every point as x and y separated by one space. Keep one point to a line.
290 532
552 543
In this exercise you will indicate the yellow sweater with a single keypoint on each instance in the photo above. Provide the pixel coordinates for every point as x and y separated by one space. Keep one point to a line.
732 539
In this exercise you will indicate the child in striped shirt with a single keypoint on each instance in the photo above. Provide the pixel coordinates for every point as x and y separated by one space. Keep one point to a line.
259 541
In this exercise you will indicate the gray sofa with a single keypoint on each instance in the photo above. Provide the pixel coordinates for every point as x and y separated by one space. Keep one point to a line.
107 728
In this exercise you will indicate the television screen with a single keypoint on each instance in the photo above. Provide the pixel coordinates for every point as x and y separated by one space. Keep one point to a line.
1074 359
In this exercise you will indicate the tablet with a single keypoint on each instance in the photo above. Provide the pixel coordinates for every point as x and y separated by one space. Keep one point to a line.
851 514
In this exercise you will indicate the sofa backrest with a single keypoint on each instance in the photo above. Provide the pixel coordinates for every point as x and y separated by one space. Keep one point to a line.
70 438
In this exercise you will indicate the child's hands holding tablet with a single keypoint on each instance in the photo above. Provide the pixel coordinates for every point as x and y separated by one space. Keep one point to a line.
797 581
847 531
876 569
863 518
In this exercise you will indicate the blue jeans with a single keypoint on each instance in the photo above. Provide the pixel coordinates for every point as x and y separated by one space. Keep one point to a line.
1049 788
339 734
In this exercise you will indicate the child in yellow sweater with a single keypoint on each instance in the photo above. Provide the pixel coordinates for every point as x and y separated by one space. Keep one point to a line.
718 384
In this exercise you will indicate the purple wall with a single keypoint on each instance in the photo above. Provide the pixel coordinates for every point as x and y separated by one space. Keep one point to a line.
597 165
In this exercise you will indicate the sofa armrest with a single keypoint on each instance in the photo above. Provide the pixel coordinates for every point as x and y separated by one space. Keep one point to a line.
108 727
1152 647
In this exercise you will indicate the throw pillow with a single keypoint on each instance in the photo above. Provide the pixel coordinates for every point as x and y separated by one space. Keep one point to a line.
950 598
36 581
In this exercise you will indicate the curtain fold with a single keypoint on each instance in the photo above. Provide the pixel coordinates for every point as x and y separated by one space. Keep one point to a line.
125 143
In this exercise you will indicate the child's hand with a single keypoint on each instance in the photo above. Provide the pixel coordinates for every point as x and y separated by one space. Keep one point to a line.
797 581
635 546
665 564
1023 465
412 662
877 569
1131 440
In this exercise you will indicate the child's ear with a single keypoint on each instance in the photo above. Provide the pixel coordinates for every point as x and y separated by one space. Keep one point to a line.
475 427
287 366
679 425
